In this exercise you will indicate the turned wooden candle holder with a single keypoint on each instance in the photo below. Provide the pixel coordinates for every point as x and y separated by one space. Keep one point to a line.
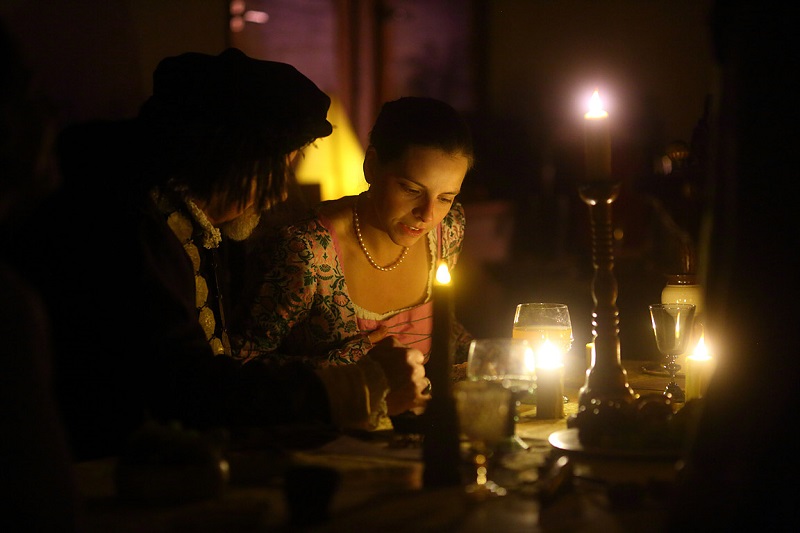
606 394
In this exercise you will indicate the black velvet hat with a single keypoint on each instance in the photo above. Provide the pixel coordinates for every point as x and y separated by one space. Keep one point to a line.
231 91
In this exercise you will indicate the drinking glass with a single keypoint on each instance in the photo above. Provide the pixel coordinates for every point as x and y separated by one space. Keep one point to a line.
482 413
543 323
673 327
539 322
509 363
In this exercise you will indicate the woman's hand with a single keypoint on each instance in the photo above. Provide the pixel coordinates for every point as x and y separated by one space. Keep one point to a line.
405 374
378 335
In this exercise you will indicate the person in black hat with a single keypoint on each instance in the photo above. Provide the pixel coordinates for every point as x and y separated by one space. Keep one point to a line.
128 258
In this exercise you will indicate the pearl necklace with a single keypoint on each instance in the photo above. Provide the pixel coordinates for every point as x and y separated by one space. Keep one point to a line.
390 266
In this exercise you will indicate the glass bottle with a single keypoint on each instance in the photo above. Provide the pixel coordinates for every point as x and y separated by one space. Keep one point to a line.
683 289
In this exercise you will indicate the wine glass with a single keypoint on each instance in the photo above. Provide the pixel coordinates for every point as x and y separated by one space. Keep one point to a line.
509 362
673 327
541 323
482 408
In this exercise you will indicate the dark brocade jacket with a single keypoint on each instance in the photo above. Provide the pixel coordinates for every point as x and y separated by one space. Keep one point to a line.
121 293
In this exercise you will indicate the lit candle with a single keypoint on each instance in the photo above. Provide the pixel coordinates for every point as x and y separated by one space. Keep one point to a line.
549 382
699 369
440 446
589 355
597 141
530 361
441 354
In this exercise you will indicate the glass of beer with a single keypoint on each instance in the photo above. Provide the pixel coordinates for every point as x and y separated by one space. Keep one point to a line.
539 323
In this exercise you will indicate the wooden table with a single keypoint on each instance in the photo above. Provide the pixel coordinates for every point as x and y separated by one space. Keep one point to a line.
380 488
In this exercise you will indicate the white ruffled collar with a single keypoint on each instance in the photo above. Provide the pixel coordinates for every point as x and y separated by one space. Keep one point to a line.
212 237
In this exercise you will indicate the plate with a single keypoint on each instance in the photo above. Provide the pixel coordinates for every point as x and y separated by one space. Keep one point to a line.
567 441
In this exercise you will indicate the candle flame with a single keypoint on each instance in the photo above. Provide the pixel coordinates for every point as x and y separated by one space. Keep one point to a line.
549 356
701 351
595 107
530 360
442 274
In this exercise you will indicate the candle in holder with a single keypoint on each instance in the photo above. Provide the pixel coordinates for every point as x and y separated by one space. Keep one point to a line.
589 355
549 382
699 369
442 314
440 445
597 141
606 392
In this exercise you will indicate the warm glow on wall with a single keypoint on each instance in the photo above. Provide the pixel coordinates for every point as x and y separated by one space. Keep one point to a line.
334 162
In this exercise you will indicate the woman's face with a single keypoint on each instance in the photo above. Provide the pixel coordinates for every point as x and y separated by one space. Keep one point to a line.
412 195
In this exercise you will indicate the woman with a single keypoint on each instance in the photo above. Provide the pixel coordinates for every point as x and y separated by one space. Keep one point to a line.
361 267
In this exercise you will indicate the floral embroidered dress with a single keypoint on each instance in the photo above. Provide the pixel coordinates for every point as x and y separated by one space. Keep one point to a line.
302 306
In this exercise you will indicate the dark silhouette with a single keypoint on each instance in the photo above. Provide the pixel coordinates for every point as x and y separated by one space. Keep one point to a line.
37 489
742 467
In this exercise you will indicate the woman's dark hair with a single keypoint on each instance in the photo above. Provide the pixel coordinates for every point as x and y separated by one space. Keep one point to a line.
420 121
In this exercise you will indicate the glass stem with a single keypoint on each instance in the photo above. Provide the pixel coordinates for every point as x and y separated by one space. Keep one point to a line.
672 367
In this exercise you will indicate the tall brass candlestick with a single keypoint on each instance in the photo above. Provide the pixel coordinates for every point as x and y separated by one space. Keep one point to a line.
440 447
606 389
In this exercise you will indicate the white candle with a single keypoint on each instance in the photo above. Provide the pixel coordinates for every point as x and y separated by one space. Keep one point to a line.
597 141
589 355
549 382
439 366
530 362
699 369
440 448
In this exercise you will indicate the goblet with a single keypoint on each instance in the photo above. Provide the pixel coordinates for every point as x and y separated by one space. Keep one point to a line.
510 363
672 326
482 413
539 323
